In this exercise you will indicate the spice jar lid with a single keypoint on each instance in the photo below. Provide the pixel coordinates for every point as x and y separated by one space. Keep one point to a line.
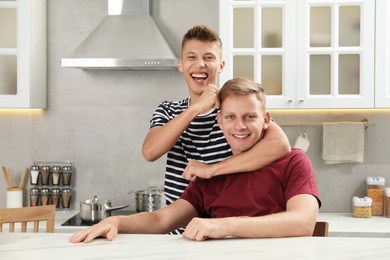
45 191
67 168
66 190
34 190
34 168
45 168
55 168
362 202
387 192
375 180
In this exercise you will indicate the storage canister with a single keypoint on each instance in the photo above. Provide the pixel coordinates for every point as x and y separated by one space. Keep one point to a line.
387 202
361 207
376 191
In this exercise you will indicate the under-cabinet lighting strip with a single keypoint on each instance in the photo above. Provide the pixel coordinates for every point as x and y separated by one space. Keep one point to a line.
318 124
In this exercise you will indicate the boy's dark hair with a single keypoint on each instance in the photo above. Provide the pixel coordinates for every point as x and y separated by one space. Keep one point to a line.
201 33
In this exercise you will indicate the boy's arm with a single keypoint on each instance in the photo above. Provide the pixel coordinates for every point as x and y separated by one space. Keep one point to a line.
272 147
298 220
160 140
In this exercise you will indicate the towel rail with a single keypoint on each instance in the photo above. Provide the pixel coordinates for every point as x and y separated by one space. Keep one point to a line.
318 124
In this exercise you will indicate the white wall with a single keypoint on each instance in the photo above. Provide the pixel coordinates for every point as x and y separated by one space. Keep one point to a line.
98 119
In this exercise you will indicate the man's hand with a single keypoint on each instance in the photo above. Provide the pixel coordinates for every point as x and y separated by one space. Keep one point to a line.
196 169
104 228
208 99
201 229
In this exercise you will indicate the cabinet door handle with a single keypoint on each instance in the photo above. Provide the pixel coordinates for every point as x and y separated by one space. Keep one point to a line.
301 100
290 100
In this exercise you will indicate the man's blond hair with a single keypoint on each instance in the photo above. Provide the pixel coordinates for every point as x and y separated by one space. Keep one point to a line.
242 87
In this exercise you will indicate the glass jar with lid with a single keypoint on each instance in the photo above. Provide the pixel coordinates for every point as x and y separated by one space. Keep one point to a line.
45 173
55 175
387 202
362 207
34 197
66 175
45 196
55 197
34 174
376 191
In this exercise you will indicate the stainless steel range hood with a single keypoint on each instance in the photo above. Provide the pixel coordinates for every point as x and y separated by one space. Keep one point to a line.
127 38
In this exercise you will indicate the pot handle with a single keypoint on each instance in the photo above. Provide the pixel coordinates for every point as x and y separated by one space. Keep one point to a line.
115 208
154 189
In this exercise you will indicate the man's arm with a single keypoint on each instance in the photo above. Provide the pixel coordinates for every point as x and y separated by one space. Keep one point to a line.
162 221
298 220
160 140
272 147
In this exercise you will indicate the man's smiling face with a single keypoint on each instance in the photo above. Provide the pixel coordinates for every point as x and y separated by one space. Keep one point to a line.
242 120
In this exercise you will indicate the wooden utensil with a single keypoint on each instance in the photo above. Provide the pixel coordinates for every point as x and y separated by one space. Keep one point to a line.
23 178
8 178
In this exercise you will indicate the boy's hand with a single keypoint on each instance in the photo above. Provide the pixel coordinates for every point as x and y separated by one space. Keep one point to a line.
196 169
208 99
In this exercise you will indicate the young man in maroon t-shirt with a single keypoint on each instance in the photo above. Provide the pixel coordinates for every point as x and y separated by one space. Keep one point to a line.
278 200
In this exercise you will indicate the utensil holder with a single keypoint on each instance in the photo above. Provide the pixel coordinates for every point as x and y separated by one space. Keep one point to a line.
14 197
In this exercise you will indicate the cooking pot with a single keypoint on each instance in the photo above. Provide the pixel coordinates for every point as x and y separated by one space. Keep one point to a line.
96 210
149 200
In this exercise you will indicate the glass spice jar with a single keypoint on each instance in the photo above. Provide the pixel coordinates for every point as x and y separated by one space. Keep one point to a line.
34 174
66 196
362 207
66 175
34 197
55 197
55 175
376 191
45 172
45 196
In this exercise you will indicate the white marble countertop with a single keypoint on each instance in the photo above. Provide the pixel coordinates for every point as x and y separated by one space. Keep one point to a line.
57 246
345 225
340 224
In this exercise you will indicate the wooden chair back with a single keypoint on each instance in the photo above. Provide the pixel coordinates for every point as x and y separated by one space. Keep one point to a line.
28 214
321 229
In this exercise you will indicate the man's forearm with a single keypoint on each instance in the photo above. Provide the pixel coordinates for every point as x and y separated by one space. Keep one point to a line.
298 220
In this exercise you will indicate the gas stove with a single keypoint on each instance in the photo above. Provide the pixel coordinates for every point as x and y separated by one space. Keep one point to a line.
76 220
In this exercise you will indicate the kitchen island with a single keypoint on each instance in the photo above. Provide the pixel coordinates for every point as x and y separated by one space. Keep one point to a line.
340 224
57 246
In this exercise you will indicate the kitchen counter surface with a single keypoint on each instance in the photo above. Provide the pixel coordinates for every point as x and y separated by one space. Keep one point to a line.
340 224
57 246
345 225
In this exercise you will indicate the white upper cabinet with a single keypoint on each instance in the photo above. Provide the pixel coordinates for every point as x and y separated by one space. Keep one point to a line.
306 54
382 62
23 54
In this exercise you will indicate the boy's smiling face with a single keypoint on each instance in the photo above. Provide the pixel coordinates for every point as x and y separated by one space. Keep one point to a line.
200 63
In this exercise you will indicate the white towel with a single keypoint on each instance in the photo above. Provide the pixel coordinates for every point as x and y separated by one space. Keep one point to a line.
342 142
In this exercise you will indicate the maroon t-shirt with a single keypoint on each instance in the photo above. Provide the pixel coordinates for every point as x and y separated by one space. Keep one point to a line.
257 193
